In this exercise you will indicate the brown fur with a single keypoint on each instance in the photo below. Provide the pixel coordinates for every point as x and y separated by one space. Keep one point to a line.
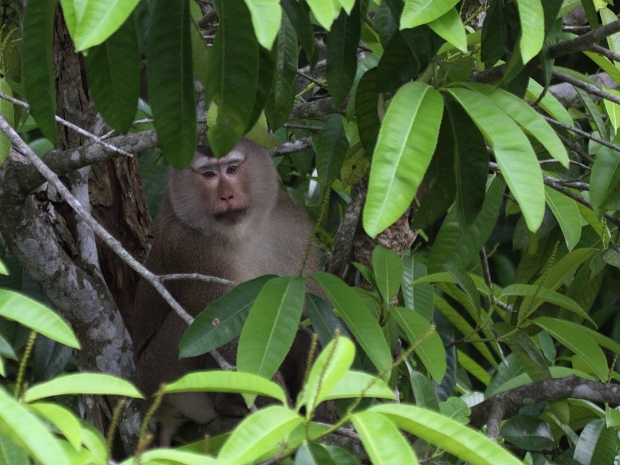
270 237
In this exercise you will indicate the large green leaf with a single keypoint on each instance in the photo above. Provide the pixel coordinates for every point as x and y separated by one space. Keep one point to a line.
571 336
227 381
532 18
266 17
356 383
271 326
367 109
331 146
82 383
171 81
597 444
420 297
33 315
526 117
406 143
113 72
281 99
417 12
299 16
423 336
100 19
513 152
527 432
233 75
450 27
459 440
222 320
605 181
351 309
382 440
38 70
567 215
257 434
28 432
10 453
325 11
548 102
63 418
342 43
388 269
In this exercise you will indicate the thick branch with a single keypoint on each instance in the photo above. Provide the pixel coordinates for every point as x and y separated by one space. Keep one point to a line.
585 41
509 402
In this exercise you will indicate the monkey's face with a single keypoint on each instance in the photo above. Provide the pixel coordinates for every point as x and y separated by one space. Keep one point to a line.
225 196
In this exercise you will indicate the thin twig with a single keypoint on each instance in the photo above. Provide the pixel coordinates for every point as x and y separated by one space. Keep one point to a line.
197 277
583 134
589 88
109 240
77 129
585 41
605 52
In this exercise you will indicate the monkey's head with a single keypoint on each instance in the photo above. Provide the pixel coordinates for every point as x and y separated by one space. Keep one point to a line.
225 196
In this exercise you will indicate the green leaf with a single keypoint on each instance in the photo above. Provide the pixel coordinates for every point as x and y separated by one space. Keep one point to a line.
233 74
459 440
38 69
342 42
526 117
172 456
596 445
417 12
3 269
82 383
282 97
605 181
313 454
388 269
567 214
420 297
222 320
7 111
546 295
171 81
271 326
423 336
266 18
548 103
366 330
356 383
329 368
28 432
11 454
324 322
513 152
525 349
325 11
227 381
257 434
572 337
532 19
366 109
33 315
406 143
113 72
299 16
383 442
450 27
528 433
63 418
331 147
100 20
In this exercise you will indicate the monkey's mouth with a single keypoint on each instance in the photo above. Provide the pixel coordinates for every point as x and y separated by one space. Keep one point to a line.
231 216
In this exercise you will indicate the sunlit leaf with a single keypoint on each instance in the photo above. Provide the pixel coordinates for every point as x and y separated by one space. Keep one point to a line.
567 214
418 12
532 18
266 17
450 27
82 383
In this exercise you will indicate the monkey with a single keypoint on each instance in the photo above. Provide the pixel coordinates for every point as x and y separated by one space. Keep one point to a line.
229 218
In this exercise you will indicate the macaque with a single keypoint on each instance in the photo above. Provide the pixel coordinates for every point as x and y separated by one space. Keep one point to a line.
222 217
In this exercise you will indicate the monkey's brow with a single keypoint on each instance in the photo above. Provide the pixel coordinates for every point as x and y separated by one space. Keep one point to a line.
213 163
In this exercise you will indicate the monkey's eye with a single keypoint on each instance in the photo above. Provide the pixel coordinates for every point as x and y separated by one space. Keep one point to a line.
208 174
232 169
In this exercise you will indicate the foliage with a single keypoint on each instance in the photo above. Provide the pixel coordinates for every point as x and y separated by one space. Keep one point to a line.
441 107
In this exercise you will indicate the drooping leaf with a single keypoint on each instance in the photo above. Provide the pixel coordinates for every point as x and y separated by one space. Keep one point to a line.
113 72
233 75
82 383
331 146
513 152
282 96
227 381
569 334
299 15
266 17
99 20
325 12
33 315
171 81
271 326
382 440
342 42
417 12
428 343
450 27
367 109
366 330
397 66
26 430
459 440
605 181
420 297
388 269
63 419
257 434
548 103
222 320
567 214
532 18
38 70
404 149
